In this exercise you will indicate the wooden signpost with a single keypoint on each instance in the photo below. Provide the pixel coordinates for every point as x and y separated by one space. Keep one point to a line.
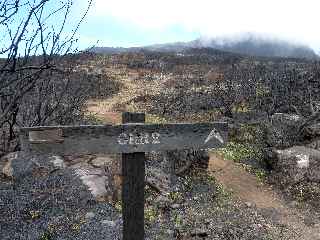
132 138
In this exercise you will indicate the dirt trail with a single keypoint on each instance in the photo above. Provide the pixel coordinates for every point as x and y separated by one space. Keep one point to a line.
127 92
108 110
246 187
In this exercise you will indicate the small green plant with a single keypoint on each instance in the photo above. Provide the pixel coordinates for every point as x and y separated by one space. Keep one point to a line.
118 206
211 179
175 196
241 107
93 119
152 118
238 151
150 214
47 235
222 193
201 116
51 228
76 227
259 173
34 214
261 90
248 133
177 220
235 151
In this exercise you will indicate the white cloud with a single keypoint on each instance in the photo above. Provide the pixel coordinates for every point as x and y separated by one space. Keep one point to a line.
290 19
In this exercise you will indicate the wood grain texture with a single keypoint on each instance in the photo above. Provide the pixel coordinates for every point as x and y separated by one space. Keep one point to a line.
46 136
135 138
133 175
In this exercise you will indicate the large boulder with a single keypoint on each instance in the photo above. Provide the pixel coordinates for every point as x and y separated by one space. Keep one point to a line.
297 164
282 132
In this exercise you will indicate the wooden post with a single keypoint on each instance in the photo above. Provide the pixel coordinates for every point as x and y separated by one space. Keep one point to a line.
133 172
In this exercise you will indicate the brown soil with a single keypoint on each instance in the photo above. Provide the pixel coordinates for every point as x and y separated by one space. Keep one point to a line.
247 188
108 110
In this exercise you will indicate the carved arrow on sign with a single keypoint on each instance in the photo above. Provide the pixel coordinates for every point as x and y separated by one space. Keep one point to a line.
214 134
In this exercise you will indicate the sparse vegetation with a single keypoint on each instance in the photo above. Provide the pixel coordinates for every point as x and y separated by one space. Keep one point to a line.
199 85
151 118
93 119
239 152
46 236
151 215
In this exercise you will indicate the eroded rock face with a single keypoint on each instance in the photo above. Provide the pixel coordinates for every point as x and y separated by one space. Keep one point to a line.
183 159
282 133
101 174
298 164
312 131
5 165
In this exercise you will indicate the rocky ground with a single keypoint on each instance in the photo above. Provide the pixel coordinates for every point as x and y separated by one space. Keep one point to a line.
46 197
78 197
42 200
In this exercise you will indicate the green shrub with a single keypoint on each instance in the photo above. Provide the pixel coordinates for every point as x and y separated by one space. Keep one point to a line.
156 119
238 152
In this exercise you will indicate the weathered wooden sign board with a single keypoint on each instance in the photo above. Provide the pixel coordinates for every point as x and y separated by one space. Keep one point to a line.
132 138
126 138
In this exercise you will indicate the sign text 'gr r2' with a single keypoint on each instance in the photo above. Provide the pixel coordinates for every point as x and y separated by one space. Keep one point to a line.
139 138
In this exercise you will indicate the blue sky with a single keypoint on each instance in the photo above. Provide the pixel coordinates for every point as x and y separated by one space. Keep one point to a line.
127 23
116 33
141 22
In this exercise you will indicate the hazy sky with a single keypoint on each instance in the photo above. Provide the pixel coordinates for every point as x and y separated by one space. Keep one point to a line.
141 22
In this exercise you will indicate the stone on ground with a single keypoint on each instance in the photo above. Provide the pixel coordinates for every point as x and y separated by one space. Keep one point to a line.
298 164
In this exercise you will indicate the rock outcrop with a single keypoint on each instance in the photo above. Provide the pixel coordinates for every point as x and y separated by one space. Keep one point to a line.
283 130
298 164
294 156
101 174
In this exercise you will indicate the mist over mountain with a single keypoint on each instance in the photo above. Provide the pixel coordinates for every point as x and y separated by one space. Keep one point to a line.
256 45
247 44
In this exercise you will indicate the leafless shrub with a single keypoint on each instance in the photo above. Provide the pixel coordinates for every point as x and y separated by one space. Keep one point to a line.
34 88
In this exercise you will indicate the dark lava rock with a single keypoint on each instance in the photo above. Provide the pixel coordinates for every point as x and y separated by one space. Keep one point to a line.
282 132
298 164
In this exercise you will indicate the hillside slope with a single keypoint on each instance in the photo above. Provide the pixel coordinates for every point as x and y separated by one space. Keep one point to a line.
247 44
254 45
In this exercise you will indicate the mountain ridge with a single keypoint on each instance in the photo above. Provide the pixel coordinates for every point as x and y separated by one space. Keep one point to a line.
250 45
